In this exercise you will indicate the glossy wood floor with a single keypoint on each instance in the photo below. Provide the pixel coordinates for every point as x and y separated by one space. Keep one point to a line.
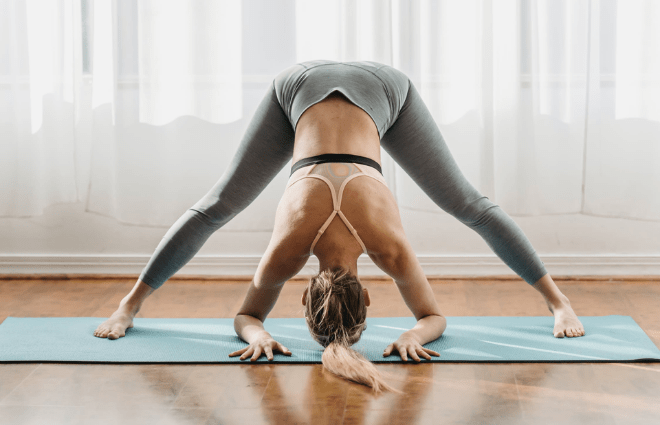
456 393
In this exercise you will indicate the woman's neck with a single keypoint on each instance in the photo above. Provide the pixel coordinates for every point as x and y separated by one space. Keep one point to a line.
328 262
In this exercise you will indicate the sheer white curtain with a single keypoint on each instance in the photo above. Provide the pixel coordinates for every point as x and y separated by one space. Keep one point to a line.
549 107
40 74
166 84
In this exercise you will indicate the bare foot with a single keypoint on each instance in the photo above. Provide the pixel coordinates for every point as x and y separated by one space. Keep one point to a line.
115 327
566 321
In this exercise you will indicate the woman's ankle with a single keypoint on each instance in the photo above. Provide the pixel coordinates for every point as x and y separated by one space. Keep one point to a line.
129 307
551 293
559 302
133 301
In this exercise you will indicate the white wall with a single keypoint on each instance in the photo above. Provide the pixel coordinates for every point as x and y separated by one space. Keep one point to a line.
65 239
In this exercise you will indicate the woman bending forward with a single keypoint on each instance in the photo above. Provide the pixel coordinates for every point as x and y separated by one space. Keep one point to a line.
330 119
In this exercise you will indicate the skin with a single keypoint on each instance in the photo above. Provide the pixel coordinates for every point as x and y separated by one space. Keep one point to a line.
335 125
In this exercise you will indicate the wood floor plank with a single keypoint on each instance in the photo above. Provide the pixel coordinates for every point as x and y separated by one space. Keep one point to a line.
561 393
224 387
12 374
631 390
460 393
51 415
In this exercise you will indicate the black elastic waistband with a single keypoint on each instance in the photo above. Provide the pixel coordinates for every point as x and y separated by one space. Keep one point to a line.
335 157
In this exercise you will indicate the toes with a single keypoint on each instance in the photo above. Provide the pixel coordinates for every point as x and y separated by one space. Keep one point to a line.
573 332
559 334
116 333
110 333
569 333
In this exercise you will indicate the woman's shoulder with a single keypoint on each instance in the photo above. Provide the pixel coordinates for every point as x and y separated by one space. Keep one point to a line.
367 203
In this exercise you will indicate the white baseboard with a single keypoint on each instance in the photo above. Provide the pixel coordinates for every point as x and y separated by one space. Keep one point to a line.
433 265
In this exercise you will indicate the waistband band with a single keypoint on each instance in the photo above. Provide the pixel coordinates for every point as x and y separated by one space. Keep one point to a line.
335 157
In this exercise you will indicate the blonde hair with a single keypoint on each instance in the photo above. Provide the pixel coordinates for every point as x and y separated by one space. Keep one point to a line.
336 314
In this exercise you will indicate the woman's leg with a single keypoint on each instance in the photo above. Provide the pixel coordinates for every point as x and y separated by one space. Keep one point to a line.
414 141
266 147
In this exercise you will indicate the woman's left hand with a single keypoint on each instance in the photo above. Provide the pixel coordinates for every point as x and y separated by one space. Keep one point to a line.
407 345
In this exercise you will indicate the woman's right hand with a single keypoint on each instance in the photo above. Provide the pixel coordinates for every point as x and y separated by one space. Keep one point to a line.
262 345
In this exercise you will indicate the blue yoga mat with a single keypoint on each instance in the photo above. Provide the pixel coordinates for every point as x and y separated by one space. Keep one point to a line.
466 339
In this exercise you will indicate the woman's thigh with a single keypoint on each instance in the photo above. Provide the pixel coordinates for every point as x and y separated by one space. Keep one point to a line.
266 147
414 141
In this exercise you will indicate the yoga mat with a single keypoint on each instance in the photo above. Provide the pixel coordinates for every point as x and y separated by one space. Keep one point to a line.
466 339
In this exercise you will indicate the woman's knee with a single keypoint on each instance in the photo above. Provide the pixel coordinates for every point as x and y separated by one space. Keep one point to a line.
475 213
216 211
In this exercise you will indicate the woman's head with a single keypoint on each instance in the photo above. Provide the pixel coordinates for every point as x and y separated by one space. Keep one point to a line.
336 312
335 307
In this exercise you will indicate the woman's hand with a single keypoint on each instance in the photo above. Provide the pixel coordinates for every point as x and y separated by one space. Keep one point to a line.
262 345
408 345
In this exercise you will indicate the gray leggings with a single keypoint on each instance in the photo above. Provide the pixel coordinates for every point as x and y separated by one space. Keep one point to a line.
413 141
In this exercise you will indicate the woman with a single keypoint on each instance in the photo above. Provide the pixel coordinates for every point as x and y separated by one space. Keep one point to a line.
331 118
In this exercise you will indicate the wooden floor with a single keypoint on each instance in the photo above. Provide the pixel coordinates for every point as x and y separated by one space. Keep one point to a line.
456 393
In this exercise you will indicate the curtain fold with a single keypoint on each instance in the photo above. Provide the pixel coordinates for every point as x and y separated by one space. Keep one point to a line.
39 92
158 65
549 107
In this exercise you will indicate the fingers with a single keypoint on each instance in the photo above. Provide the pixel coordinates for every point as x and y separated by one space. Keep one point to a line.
433 353
237 352
257 350
283 349
269 353
424 354
256 355
412 350
247 353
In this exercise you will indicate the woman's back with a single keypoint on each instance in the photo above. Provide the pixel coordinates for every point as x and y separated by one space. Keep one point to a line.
335 125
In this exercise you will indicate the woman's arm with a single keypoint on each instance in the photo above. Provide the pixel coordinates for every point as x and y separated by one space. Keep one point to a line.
401 263
427 329
249 328
411 342
286 254
272 273
281 261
